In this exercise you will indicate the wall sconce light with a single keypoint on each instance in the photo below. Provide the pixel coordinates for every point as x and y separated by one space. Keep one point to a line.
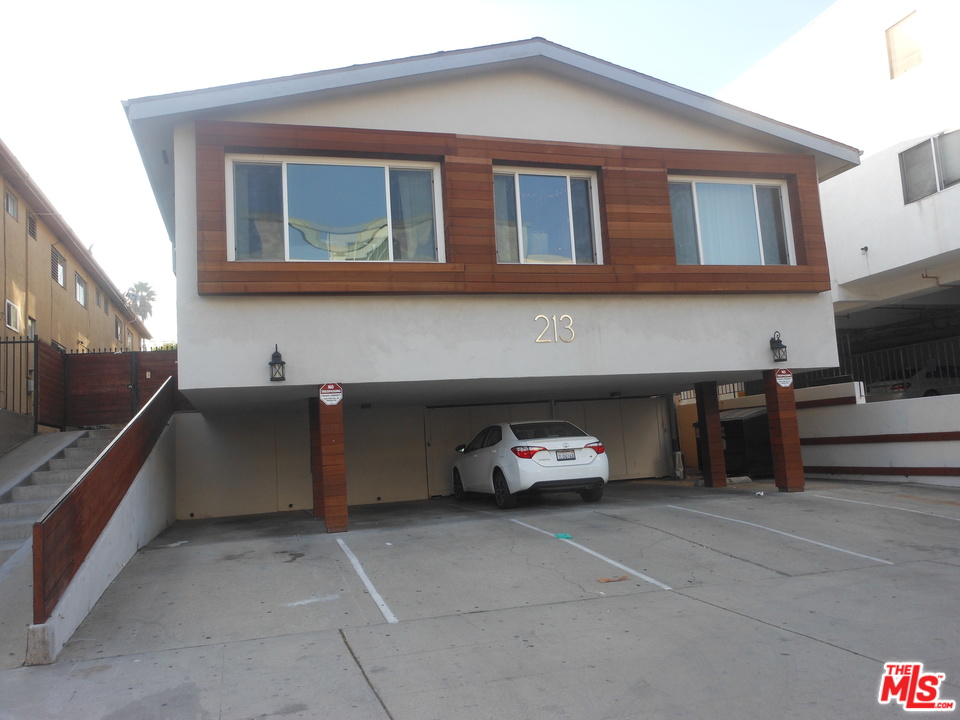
277 372
778 348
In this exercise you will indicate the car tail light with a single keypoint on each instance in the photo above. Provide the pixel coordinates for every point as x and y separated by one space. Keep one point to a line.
900 387
597 447
526 451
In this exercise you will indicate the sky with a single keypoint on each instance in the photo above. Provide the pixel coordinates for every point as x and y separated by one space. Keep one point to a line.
69 65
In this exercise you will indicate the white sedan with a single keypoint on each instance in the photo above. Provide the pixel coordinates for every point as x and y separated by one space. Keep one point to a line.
544 456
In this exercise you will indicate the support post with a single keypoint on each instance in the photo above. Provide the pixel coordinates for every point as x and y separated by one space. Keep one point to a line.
784 434
711 441
328 465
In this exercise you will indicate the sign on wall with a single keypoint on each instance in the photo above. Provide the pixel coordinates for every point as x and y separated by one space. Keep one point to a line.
331 394
784 377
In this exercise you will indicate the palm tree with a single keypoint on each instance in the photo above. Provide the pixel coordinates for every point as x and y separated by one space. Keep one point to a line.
140 297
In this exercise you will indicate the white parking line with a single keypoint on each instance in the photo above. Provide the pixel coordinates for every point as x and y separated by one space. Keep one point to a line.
587 550
889 507
785 534
387 614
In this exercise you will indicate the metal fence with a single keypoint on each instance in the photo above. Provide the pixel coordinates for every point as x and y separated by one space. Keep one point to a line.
18 363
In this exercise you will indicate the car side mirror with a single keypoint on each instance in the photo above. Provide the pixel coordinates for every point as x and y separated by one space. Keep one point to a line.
461 448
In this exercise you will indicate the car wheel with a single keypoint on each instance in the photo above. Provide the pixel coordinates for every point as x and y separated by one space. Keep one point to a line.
501 493
931 393
592 494
457 485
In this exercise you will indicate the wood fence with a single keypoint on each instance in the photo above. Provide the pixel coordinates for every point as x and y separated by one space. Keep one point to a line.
66 533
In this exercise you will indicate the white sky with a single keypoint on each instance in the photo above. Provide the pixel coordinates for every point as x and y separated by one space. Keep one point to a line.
68 65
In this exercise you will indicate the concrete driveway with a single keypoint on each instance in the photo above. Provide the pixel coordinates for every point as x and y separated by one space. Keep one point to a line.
661 601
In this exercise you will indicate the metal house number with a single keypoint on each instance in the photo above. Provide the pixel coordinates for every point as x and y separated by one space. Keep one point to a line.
562 329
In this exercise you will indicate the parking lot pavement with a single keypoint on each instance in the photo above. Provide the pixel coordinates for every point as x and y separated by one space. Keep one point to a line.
661 601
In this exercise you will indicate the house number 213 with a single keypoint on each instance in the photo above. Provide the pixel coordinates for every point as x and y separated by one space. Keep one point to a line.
562 329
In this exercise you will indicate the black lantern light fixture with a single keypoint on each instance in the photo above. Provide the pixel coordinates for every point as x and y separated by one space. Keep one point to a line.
277 372
778 348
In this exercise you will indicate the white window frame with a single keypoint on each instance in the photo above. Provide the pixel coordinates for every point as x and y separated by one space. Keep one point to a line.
117 328
11 204
80 289
61 262
936 162
12 316
284 160
753 181
569 174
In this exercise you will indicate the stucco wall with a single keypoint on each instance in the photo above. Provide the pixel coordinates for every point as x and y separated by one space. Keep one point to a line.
514 104
144 512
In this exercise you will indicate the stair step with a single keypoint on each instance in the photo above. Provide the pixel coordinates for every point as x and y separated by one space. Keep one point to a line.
38 492
92 443
15 529
77 465
54 477
24 509
87 454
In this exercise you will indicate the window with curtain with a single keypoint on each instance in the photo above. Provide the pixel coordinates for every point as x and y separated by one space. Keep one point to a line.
546 217
334 210
730 221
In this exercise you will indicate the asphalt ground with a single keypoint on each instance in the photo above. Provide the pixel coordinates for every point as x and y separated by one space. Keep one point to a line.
662 601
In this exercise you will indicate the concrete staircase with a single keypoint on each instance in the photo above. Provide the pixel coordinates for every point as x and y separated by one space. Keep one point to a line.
29 500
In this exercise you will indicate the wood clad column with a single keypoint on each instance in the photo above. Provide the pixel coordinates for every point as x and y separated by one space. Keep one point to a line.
328 465
711 441
784 434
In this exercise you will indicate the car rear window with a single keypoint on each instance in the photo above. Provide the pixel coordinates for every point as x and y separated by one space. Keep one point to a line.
553 429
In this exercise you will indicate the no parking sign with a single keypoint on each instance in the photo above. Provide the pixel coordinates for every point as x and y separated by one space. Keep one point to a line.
784 377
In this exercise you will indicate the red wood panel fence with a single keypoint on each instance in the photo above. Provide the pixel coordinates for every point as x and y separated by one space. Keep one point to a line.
51 401
64 536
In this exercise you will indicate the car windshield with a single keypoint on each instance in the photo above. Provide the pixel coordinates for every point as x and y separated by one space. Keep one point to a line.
548 429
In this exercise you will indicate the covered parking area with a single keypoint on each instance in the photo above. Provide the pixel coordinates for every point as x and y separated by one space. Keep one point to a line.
289 448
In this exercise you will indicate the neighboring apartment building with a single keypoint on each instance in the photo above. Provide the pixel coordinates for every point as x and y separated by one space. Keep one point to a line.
508 232
880 75
53 288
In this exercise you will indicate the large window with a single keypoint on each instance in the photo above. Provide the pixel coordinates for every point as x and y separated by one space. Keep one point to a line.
931 166
334 210
731 221
546 217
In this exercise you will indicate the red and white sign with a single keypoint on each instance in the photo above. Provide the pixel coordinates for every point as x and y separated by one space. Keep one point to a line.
906 683
331 394
784 377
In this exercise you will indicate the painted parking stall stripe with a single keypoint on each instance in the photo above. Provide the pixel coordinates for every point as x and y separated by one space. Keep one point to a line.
889 507
377 598
631 571
784 534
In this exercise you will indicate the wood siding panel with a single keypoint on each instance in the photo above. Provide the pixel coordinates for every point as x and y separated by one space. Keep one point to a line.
64 536
636 224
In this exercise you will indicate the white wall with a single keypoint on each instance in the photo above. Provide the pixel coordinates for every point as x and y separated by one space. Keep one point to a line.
146 509
398 339
833 78
897 417
503 104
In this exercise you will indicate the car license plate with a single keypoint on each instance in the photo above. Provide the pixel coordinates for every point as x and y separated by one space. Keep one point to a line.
566 454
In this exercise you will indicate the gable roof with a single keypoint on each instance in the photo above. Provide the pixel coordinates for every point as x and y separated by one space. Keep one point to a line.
152 118
16 176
